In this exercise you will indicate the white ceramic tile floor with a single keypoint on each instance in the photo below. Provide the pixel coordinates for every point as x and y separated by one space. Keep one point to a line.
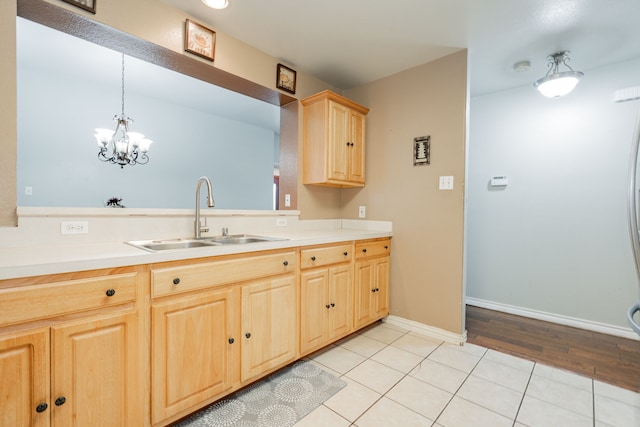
400 378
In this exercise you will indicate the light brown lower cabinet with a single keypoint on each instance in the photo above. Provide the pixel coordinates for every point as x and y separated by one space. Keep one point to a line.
25 379
146 345
371 282
269 332
207 341
71 350
195 350
82 373
326 304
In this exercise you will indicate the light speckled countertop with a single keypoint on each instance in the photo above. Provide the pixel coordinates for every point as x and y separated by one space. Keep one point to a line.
52 259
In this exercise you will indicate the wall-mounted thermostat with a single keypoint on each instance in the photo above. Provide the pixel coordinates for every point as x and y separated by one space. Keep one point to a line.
499 181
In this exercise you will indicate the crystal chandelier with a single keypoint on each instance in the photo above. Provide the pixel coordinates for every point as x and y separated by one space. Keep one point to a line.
121 146
556 83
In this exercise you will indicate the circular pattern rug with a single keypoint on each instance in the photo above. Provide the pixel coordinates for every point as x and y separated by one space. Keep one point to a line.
279 400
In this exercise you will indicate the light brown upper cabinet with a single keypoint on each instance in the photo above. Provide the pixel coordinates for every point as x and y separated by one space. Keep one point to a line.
334 141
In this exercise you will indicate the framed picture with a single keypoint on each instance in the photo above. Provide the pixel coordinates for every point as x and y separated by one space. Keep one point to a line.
286 79
422 150
89 5
199 40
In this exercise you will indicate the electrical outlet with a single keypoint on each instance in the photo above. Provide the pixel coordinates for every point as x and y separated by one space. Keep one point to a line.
362 212
74 227
28 191
446 183
281 222
287 200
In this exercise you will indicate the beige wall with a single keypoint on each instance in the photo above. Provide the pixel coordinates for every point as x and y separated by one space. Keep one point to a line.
8 118
427 255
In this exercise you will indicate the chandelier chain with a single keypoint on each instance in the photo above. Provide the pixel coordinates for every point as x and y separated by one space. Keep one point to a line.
123 85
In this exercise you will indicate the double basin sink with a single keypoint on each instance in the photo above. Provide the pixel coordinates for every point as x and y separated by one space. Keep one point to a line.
175 244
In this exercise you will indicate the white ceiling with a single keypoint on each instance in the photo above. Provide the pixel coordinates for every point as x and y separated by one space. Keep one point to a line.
351 42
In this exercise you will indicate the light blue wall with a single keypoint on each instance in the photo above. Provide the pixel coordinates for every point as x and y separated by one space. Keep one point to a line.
555 239
57 153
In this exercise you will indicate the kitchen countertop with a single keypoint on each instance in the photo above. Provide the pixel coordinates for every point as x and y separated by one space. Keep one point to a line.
28 261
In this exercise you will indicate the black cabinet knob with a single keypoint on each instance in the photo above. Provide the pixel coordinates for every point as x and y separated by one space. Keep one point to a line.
386 247
345 253
111 292
176 281
60 401
41 407
248 335
328 306
313 258
364 250
231 340
285 263
333 304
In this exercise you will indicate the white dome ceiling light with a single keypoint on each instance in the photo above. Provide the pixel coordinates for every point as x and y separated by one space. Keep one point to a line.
216 4
558 83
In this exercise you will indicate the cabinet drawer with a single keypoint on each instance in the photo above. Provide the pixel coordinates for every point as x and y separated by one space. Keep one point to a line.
175 280
46 300
318 257
373 248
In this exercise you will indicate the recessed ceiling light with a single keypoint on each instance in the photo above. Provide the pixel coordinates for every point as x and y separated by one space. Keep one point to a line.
216 4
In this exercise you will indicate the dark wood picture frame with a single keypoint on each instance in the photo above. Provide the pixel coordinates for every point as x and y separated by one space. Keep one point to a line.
286 79
199 40
89 5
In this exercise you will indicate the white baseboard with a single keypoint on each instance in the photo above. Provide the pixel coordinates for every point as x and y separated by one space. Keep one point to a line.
555 318
430 331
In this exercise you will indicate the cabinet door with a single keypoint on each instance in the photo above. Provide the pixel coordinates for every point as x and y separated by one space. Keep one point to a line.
381 308
95 379
24 379
195 350
356 147
340 300
313 310
338 141
269 332
364 292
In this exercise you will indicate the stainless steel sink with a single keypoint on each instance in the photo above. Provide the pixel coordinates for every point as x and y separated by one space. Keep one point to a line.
241 239
178 244
170 245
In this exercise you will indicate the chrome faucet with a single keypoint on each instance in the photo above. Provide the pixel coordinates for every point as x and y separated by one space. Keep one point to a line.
198 229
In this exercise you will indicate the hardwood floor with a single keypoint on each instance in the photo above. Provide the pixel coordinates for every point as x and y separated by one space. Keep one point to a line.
606 358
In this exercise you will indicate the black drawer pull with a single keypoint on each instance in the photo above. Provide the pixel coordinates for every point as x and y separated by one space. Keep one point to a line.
60 401
248 335
231 340
313 258
285 263
364 251
41 407
328 306
111 292
176 281
386 247
333 304
345 253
